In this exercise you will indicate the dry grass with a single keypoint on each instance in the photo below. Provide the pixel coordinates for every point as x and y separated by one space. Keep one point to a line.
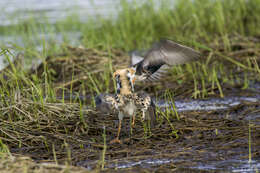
25 164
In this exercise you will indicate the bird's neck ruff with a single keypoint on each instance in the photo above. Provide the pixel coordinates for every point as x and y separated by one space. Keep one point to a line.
125 79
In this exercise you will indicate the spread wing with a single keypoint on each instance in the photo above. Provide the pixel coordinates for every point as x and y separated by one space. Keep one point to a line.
137 56
162 56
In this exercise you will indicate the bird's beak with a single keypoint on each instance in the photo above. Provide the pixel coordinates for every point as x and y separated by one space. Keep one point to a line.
132 71
134 80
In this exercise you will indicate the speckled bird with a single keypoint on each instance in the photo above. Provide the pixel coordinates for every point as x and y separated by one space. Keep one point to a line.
127 102
160 57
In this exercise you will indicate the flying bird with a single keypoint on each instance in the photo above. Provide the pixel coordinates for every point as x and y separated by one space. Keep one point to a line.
161 57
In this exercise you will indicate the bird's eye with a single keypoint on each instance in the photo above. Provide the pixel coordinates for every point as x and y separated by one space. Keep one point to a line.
128 73
117 76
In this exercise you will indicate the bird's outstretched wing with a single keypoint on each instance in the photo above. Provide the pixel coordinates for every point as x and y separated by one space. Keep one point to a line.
163 55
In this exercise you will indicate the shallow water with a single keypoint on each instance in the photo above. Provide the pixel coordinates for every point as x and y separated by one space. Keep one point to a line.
226 165
14 12
58 38
207 104
231 165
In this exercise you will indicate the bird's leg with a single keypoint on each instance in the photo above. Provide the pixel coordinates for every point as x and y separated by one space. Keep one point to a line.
116 140
133 121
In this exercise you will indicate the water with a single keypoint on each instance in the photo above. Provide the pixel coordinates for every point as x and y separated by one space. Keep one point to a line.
17 11
207 104
231 165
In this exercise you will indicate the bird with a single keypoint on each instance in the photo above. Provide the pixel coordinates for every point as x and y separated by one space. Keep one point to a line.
156 61
126 101
160 58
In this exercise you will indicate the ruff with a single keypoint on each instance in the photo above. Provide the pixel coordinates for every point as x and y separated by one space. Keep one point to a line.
127 102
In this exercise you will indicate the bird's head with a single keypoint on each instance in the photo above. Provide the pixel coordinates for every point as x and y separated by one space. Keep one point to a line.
125 74
125 78
141 70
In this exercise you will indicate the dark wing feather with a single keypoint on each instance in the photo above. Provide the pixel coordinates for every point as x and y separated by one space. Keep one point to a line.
162 56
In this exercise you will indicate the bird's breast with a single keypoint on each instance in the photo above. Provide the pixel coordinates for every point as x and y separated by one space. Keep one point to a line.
129 108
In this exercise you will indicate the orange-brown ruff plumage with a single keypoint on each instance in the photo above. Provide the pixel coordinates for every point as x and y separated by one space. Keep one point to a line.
127 102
